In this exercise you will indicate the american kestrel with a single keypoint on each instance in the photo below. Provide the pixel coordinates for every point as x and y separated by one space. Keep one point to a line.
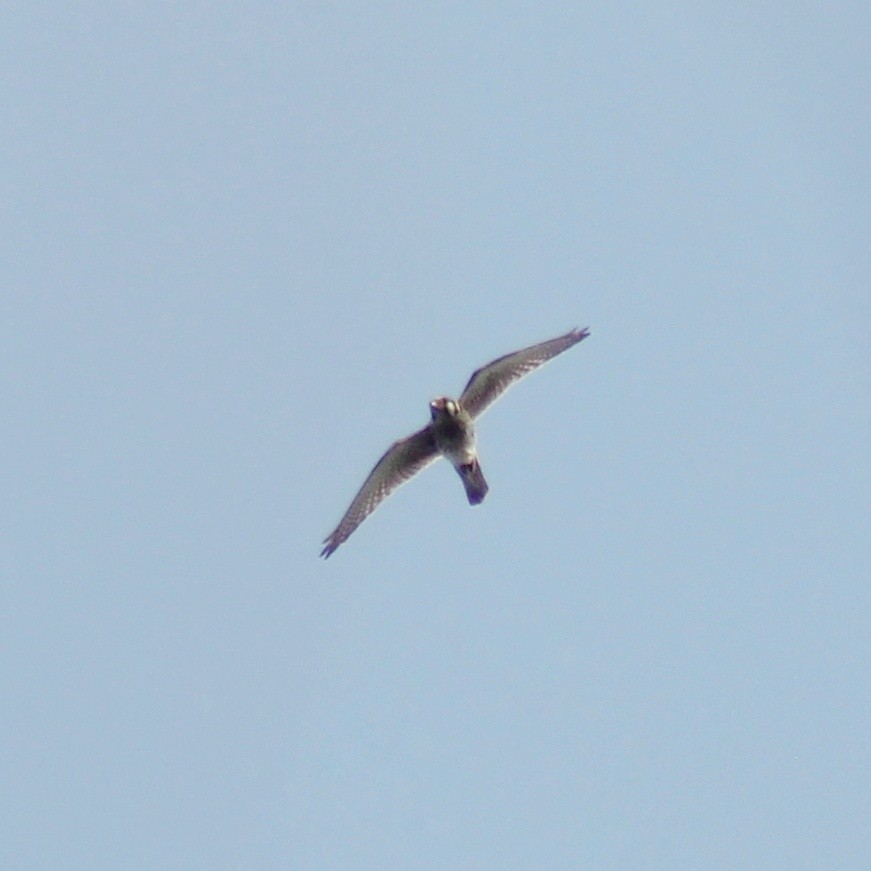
450 434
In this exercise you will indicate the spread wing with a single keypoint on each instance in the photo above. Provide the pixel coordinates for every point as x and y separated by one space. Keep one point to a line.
401 462
489 382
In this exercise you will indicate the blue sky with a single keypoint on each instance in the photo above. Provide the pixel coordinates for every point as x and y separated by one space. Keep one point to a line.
243 248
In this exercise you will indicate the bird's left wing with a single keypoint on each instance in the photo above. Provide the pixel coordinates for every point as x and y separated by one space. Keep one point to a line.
489 382
402 461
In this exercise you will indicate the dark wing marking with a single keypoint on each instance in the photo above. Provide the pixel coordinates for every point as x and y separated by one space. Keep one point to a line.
489 382
402 461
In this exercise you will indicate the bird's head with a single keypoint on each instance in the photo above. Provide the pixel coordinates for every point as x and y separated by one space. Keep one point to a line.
443 406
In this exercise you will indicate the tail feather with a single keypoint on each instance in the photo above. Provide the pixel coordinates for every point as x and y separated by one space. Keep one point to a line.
473 481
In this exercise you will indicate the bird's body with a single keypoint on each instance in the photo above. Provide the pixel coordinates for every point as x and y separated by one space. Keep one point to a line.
454 435
450 433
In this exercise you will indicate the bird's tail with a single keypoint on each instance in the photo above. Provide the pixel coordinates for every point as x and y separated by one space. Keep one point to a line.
473 481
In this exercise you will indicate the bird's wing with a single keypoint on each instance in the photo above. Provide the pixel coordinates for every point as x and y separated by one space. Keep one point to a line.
489 382
401 462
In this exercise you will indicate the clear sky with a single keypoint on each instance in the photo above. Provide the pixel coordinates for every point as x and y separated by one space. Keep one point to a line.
243 246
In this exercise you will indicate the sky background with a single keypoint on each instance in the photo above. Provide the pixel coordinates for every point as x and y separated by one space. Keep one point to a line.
243 246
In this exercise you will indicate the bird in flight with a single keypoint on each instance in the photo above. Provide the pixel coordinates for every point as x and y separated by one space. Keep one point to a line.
450 434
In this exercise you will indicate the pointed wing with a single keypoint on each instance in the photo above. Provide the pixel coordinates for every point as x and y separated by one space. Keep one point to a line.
489 382
401 462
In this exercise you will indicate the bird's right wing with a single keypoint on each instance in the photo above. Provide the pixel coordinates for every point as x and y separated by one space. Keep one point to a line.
401 462
489 382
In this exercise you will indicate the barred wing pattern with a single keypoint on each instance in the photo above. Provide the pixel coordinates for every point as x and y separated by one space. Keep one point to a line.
489 382
401 462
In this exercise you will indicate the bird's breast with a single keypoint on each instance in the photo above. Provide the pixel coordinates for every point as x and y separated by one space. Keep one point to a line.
455 439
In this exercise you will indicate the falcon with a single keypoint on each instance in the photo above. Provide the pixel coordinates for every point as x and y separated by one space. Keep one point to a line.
450 434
